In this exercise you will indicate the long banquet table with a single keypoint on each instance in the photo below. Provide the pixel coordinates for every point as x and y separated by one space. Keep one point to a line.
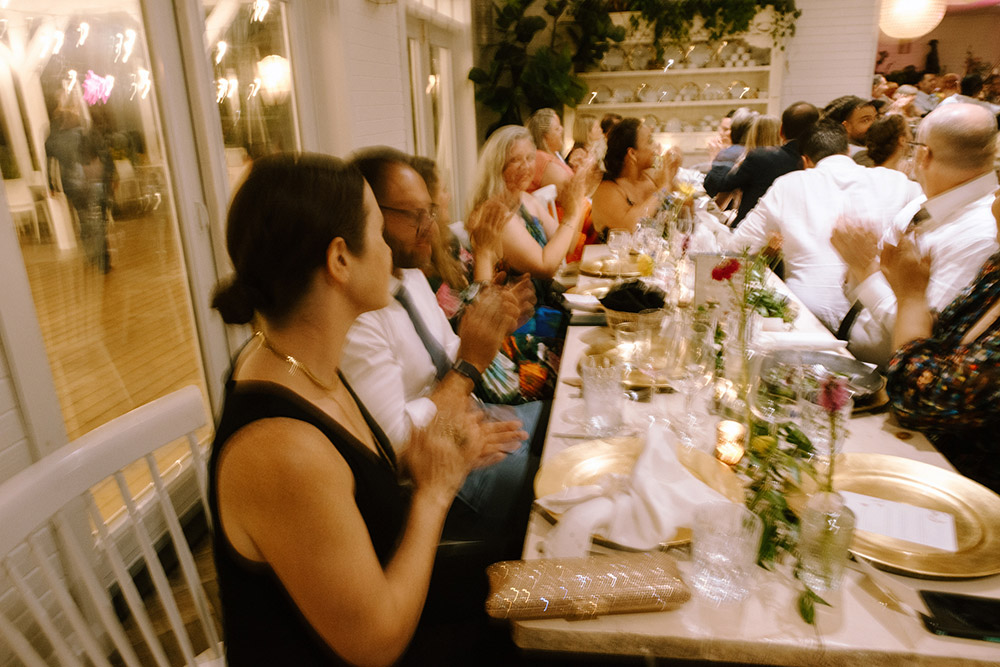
859 629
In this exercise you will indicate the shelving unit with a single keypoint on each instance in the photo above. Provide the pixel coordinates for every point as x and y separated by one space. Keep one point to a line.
688 128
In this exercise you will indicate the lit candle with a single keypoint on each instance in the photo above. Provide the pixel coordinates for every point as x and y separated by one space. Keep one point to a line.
729 441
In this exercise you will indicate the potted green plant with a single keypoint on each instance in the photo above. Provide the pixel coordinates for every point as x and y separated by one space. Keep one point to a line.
529 69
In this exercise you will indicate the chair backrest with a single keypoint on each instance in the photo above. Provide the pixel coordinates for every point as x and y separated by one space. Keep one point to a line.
64 596
547 195
19 197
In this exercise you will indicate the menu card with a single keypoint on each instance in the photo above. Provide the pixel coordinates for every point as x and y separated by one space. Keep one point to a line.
905 522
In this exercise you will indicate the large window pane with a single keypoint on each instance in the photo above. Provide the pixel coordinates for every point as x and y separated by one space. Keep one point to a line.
89 190
247 42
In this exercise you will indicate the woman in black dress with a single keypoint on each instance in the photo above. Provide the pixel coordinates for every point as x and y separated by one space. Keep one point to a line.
323 554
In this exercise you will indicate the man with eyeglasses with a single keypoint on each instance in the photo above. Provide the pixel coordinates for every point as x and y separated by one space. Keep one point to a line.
405 362
951 222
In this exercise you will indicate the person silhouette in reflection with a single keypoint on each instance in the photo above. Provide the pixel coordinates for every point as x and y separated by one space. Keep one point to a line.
80 165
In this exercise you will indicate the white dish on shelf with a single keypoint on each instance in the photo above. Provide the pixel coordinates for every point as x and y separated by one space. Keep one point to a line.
621 94
714 91
614 60
652 122
700 54
739 90
673 125
673 57
602 95
641 57
645 93
689 91
730 49
666 93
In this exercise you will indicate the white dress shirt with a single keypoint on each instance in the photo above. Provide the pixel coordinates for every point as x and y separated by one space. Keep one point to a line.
924 102
959 236
965 99
387 364
804 206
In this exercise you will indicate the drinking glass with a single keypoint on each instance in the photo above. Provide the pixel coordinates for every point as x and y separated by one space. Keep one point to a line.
619 241
825 415
633 342
694 368
603 396
724 547
774 389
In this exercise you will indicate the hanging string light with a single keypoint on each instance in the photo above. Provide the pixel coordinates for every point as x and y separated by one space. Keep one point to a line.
909 19
58 37
220 52
259 11
84 30
129 44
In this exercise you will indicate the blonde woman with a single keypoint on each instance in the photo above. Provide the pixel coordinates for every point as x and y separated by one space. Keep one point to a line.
550 167
532 241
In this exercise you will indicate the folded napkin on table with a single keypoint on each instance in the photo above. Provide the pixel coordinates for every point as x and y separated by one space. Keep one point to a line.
581 301
798 340
638 511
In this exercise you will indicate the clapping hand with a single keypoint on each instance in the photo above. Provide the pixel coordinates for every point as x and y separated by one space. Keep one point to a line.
857 245
485 225
907 270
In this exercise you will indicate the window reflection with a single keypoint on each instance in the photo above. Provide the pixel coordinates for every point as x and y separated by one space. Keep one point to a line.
248 48
89 190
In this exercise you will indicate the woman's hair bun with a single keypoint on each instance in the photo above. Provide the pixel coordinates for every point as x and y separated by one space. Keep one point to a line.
234 300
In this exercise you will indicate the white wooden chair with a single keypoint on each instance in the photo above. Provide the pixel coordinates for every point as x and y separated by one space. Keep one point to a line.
59 555
22 203
547 195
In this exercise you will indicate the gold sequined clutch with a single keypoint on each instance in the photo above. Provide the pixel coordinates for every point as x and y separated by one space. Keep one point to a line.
580 588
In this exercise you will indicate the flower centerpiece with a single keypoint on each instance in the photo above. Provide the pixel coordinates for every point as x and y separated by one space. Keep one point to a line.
827 523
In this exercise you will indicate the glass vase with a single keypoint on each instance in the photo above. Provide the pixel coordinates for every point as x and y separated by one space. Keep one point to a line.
825 536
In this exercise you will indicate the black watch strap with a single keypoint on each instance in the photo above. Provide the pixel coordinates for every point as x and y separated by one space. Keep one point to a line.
463 367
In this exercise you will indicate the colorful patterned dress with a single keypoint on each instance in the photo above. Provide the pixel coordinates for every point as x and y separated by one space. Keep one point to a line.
951 391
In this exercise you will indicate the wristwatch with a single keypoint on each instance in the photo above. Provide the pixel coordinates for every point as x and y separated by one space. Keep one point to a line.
463 367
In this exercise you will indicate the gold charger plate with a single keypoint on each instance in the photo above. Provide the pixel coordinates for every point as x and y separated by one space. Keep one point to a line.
634 378
976 510
608 267
583 464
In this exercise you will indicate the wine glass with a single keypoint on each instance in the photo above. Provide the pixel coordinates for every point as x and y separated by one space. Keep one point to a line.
694 367
774 389
619 242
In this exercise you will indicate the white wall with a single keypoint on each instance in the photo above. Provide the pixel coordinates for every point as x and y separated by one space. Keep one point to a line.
832 53
14 452
960 31
355 62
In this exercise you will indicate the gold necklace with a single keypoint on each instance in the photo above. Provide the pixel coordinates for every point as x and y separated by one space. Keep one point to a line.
294 364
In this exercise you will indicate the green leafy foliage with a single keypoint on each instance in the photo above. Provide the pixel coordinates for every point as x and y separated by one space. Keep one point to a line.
671 20
524 75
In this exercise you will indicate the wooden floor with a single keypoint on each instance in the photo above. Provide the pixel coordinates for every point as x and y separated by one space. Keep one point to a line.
116 341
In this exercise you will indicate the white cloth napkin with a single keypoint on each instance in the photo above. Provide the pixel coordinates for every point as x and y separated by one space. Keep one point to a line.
581 301
638 511
798 340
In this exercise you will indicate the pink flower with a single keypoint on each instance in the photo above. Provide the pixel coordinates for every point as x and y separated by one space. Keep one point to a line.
833 393
726 269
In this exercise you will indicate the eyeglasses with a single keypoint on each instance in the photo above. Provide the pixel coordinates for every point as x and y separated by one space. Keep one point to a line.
914 144
421 218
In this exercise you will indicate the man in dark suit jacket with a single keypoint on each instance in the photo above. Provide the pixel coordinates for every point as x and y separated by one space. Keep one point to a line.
742 121
763 165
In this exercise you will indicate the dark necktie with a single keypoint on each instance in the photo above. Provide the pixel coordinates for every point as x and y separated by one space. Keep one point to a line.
433 347
917 219
844 330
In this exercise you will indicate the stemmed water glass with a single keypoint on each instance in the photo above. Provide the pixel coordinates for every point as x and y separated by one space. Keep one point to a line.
774 389
619 242
693 366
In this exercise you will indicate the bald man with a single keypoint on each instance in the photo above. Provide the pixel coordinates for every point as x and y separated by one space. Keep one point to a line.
952 223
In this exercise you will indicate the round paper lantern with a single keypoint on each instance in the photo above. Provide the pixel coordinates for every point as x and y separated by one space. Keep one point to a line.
909 19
